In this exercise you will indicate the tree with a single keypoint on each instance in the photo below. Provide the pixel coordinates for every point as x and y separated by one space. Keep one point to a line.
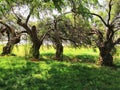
13 38
34 9
32 31
106 40
56 38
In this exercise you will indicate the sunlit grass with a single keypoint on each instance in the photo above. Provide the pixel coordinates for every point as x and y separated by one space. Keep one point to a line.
22 49
19 73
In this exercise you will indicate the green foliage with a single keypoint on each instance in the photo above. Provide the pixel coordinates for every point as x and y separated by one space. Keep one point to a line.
82 7
116 7
18 73
58 4
84 11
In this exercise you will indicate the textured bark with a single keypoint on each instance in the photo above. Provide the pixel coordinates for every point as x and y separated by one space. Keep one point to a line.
7 49
105 58
9 46
34 50
59 51
58 42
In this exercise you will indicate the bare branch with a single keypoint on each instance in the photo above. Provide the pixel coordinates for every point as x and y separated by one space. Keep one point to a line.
109 12
71 40
116 30
23 32
28 17
117 41
24 25
16 17
44 35
100 18
5 24
111 35
73 5
115 19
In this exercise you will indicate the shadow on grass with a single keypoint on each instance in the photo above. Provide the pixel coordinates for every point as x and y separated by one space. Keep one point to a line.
50 56
77 58
58 76
87 58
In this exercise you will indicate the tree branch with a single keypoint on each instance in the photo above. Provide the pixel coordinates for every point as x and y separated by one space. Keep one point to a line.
24 25
117 41
100 18
5 25
43 36
23 32
69 39
109 12
115 19
73 5
16 17
28 17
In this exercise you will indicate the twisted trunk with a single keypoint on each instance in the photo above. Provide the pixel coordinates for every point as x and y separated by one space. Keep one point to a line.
105 57
59 51
9 46
34 50
7 49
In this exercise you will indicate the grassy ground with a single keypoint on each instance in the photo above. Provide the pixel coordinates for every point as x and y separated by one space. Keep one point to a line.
77 72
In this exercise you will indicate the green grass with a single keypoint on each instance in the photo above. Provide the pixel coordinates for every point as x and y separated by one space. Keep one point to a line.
18 73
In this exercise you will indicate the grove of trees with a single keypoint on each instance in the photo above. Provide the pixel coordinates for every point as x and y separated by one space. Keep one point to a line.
77 22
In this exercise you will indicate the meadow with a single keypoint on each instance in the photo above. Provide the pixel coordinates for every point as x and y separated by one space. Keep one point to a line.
78 71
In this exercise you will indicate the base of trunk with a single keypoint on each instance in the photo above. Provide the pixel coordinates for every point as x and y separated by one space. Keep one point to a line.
9 46
106 60
59 53
7 50
34 51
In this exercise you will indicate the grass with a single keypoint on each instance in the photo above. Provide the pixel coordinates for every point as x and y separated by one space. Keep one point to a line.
18 73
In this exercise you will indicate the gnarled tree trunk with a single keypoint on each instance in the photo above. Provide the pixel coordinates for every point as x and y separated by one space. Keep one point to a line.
12 38
9 46
7 49
59 51
34 50
105 57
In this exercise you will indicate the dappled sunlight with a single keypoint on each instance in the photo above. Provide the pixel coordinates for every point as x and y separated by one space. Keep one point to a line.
78 71
49 74
59 45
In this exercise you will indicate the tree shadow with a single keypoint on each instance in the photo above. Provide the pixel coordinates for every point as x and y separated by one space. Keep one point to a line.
86 58
58 76
47 55
69 58
51 56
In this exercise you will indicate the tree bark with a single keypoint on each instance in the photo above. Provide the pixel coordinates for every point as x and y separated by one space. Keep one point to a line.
9 46
59 51
105 57
34 50
7 49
